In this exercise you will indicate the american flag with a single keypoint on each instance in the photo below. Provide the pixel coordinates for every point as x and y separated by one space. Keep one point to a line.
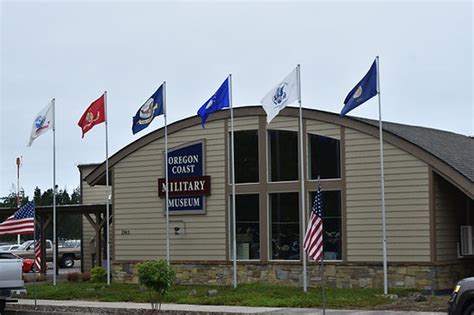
38 255
21 222
313 240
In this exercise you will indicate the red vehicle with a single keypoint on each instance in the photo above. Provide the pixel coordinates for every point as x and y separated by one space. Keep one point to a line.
28 265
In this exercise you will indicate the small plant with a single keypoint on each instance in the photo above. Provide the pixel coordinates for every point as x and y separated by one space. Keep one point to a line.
98 275
157 277
73 276
86 276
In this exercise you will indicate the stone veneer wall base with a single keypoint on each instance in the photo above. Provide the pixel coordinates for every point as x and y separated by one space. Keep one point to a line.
423 277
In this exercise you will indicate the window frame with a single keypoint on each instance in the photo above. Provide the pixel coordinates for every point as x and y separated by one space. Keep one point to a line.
308 159
230 220
268 159
230 156
342 219
269 226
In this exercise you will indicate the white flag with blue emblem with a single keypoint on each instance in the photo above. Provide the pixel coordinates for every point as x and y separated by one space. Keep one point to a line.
284 93
43 122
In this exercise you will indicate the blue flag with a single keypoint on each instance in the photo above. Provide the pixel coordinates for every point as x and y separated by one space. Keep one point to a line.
218 101
363 91
153 107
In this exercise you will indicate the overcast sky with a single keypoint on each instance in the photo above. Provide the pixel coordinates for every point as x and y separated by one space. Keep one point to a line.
73 51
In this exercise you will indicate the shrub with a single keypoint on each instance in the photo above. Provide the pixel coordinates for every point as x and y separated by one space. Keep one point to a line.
86 276
98 275
73 276
157 277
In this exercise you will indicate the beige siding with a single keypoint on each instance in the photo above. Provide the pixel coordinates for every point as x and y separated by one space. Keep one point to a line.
90 195
244 123
139 210
406 199
284 123
323 128
450 205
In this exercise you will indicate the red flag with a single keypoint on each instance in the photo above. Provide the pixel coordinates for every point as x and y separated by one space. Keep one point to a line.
94 115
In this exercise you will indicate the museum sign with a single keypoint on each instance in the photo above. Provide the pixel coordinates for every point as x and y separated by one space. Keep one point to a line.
188 185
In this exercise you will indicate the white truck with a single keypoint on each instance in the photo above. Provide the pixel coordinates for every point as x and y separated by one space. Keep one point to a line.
66 255
11 281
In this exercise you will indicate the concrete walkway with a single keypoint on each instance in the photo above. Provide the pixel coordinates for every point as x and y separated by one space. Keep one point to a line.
211 309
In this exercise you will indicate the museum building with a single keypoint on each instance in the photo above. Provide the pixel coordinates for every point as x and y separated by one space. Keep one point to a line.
429 192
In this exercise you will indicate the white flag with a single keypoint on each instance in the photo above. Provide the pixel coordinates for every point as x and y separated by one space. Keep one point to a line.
43 122
284 93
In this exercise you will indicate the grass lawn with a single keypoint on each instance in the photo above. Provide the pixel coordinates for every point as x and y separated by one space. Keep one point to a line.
244 295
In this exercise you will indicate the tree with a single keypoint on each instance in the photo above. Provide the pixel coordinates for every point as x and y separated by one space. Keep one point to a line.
62 197
11 201
76 196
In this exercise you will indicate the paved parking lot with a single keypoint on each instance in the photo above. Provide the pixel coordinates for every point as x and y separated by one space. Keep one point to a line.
76 268
63 271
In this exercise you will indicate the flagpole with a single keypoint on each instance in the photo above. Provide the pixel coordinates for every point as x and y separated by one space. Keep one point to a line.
303 221
382 186
166 178
234 224
18 202
55 263
323 283
107 212
34 260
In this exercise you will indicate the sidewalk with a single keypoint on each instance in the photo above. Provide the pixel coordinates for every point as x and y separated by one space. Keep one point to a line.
91 307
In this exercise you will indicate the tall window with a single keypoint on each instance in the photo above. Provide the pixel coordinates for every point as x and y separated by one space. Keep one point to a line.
247 227
324 157
246 156
332 224
283 151
284 226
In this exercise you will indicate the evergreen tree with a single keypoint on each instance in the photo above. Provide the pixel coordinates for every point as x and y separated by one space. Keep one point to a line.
11 201
76 196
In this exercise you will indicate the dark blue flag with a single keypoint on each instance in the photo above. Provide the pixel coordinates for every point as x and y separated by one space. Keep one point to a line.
153 107
218 101
363 91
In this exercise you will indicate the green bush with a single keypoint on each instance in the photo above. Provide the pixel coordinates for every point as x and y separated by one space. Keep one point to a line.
157 277
98 275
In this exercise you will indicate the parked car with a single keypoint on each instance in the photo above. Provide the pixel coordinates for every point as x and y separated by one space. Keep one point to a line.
28 265
11 280
71 244
66 256
462 298
9 248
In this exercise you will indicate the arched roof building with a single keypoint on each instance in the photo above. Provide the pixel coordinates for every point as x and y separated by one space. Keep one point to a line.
429 192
